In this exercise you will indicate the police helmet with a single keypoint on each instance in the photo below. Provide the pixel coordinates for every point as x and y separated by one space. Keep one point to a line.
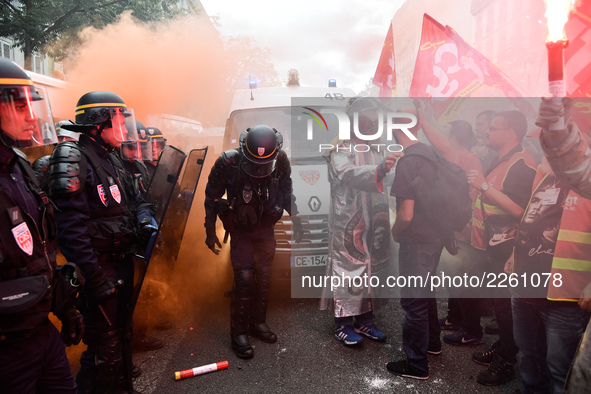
260 146
157 141
25 116
101 110
64 134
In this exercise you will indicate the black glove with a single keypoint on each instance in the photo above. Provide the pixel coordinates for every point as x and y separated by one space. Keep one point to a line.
296 227
72 324
99 288
212 240
144 232
550 112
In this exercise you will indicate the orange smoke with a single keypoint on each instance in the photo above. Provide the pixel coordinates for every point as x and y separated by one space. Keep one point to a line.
176 67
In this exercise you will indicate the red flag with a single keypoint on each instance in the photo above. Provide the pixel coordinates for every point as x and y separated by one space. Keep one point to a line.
577 55
448 67
577 59
385 76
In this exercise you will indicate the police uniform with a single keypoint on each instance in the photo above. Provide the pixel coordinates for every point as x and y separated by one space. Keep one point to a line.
32 354
99 212
254 204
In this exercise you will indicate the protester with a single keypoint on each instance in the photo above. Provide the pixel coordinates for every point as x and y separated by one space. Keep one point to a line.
504 193
357 206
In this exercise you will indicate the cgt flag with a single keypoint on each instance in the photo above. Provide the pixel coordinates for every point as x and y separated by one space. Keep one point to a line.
385 76
449 69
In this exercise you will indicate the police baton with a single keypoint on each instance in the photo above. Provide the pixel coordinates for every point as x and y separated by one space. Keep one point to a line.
117 285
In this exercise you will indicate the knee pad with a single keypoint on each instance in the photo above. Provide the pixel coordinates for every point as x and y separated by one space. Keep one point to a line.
244 282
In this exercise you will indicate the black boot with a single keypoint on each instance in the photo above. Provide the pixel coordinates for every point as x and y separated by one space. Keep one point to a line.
239 309
241 346
258 316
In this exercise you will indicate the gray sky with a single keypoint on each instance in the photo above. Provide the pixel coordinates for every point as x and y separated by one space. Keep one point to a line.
322 39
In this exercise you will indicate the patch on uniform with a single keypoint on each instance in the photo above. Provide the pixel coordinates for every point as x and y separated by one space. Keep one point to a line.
261 150
247 195
310 176
23 239
102 195
115 193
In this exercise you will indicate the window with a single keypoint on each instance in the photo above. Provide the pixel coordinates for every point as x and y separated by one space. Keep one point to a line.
38 64
5 50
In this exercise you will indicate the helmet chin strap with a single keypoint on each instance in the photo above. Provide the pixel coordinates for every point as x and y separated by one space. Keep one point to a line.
99 136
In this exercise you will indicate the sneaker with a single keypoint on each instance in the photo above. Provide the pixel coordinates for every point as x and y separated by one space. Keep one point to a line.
485 358
435 350
463 338
447 325
370 331
492 327
500 371
347 335
401 368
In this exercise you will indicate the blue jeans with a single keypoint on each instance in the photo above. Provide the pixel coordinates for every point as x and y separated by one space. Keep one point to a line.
547 337
365 319
420 328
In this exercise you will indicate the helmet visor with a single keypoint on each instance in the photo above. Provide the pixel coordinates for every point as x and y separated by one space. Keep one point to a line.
258 170
157 146
131 150
25 117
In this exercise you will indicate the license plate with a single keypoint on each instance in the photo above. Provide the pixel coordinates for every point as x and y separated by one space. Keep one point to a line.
308 261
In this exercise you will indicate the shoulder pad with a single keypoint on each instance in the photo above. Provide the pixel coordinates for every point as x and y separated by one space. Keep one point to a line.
40 166
21 155
67 171
231 157
66 152
283 163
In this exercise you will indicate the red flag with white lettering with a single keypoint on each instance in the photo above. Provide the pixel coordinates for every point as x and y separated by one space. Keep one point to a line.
448 67
385 76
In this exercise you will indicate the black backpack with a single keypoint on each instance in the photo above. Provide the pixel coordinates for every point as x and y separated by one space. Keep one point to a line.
446 201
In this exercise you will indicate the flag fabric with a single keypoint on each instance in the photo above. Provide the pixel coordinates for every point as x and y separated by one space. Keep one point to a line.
385 76
577 62
449 70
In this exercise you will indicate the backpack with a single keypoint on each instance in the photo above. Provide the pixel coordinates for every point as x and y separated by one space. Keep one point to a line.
446 201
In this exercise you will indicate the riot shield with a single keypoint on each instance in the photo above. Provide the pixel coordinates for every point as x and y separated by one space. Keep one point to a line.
175 221
162 186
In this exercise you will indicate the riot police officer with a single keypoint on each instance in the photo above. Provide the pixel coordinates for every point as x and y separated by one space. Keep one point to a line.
256 178
101 219
32 355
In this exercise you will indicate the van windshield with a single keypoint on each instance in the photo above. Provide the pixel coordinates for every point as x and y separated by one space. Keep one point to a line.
281 119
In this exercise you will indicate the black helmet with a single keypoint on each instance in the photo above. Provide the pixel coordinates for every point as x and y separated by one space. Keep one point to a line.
260 146
95 108
105 110
25 116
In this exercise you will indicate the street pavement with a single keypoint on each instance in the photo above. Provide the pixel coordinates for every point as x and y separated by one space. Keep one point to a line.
305 359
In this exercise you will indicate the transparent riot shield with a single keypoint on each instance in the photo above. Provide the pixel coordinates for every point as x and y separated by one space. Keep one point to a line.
161 189
173 227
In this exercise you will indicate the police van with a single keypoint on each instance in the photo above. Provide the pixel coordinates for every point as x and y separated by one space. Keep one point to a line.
274 107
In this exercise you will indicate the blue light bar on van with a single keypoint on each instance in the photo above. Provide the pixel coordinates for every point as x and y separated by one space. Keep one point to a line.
332 83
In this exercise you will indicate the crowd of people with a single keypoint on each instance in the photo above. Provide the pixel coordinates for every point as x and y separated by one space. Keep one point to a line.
87 199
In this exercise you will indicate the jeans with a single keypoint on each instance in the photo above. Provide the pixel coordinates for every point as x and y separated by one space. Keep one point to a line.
548 337
365 319
420 328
